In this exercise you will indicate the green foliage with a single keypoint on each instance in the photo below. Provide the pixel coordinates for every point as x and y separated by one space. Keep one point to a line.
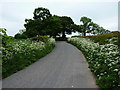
3 31
19 53
38 26
4 48
61 39
104 38
46 24
76 28
67 23
41 38
49 26
4 37
20 36
103 60
22 53
34 28
95 28
53 26
41 13
86 24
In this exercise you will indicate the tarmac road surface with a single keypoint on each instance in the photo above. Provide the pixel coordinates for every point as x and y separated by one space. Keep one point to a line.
64 67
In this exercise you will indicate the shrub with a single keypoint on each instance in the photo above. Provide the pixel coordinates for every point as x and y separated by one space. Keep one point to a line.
61 39
22 53
103 61
20 36
101 39
41 38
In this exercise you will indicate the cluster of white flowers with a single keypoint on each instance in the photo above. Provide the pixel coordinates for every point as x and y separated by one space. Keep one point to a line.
51 41
24 46
27 46
112 40
104 60
17 54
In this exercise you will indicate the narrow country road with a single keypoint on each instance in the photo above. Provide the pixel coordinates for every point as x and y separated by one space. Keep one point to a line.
64 67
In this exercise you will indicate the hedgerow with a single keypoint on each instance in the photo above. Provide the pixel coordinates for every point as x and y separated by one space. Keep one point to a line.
103 60
103 38
21 53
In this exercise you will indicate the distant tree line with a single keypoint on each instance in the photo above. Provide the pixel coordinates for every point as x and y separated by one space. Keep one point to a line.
44 23
90 27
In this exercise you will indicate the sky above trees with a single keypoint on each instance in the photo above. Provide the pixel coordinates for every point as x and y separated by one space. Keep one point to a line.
14 12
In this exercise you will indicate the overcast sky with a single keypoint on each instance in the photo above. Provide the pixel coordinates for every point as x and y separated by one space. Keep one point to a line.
102 12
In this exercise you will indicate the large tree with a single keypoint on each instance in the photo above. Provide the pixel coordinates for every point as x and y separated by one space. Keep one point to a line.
44 23
37 26
33 27
67 23
85 24
53 26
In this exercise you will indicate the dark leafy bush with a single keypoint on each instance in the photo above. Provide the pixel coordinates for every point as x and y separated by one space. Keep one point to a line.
41 38
61 39
21 36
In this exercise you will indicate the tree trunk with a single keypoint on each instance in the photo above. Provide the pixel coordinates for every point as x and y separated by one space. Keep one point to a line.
84 33
63 35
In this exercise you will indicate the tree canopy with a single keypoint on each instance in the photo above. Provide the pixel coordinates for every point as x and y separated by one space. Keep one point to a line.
44 23
41 13
90 27
67 23
86 25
